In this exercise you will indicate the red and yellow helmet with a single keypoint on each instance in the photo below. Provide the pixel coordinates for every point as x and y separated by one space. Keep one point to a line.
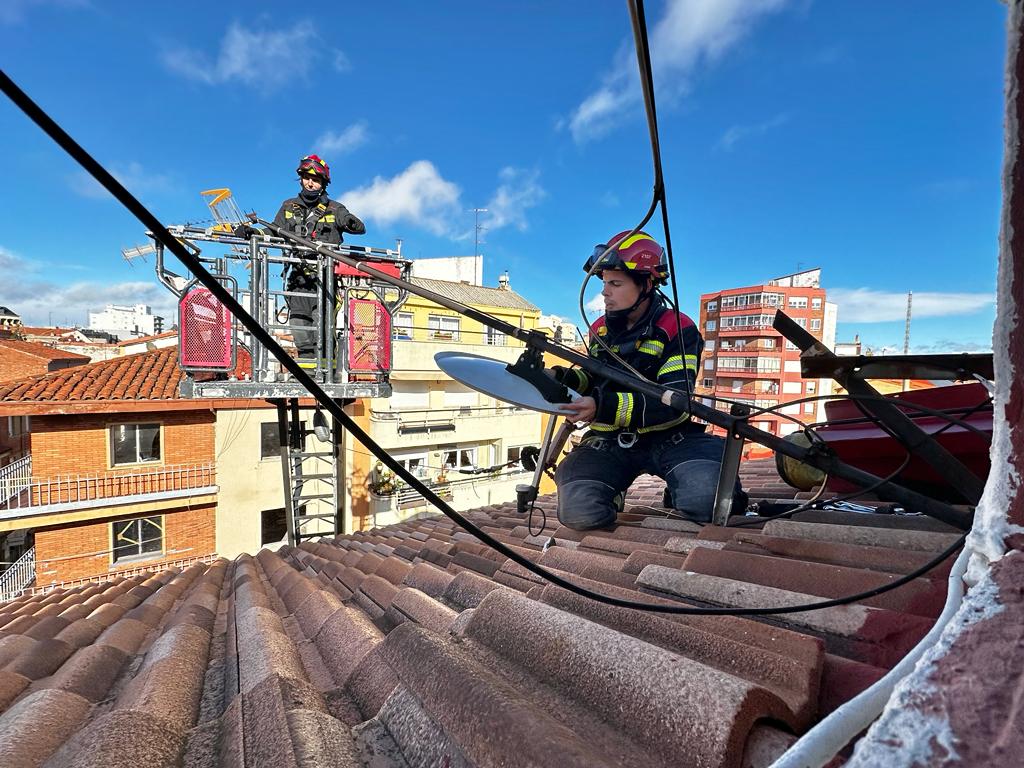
312 165
638 252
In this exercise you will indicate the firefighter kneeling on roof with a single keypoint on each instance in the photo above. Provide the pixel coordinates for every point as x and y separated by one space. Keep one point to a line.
631 433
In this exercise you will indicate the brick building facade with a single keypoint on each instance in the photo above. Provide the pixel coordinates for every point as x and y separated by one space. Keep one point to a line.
746 360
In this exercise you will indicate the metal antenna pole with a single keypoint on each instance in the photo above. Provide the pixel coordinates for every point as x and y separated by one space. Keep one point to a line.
906 334
476 229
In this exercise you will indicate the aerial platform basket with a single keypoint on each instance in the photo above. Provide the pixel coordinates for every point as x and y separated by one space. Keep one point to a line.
352 325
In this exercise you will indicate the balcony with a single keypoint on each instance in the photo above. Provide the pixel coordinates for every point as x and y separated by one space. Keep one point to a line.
407 428
22 495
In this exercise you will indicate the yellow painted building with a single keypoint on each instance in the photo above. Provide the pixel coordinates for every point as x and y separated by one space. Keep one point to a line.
435 426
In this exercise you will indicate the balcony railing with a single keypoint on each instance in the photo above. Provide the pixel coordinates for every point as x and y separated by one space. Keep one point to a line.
15 477
18 576
70 490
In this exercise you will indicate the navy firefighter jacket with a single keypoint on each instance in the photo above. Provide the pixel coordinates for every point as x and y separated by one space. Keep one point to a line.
652 347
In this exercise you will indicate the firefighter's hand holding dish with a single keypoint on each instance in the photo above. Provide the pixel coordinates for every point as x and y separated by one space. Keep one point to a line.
582 409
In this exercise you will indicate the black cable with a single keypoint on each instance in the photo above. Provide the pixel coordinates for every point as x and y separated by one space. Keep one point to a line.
118 191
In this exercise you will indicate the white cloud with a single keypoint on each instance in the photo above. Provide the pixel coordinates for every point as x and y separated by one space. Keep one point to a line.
518 191
418 195
132 176
266 59
737 133
595 306
422 197
690 34
341 142
37 301
866 305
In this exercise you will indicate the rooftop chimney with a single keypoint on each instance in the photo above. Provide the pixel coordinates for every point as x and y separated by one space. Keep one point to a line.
503 281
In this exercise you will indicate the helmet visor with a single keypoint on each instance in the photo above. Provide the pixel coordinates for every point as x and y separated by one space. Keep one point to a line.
595 258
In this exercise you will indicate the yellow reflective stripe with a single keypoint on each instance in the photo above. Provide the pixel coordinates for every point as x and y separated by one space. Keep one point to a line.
329 218
581 376
288 214
666 425
651 347
675 363
634 239
624 411
603 427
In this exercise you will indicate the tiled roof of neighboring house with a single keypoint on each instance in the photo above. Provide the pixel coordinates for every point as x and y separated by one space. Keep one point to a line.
29 330
476 294
41 351
146 376
8 312
416 645
144 339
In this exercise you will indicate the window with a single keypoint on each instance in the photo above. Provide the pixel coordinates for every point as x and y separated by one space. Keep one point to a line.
410 394
402 328
737 385
415 463
515 454
798 302
747 321
710 346
811 387
497 338
460 458
134 443
815 303
709 365
18 425
270 444
443 327
768 343
815 324
712 306
711 325
790 345
708 383
809 407
273 526
137 539
801 321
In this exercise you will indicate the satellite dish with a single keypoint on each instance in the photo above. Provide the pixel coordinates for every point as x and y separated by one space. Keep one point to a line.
492 377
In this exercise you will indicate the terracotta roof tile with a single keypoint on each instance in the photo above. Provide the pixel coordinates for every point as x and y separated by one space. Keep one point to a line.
417 644
40 351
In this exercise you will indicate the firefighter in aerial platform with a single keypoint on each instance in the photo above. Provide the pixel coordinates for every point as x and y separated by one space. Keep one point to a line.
313 215
632 433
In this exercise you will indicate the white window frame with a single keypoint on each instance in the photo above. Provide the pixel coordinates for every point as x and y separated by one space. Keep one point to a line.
711 325
816 303
443 327
401 329
712 306
113 463
815 323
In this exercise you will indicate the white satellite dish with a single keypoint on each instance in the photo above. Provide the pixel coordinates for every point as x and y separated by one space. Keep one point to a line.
492 377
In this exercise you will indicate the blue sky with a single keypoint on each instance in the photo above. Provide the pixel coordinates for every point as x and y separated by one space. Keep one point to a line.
864 137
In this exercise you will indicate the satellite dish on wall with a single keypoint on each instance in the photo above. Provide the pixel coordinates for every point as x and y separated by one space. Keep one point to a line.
493 377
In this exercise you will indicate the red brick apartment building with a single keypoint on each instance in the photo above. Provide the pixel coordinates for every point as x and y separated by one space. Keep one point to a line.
116 469
747 360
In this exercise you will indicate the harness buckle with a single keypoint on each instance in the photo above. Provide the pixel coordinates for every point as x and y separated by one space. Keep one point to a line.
626 439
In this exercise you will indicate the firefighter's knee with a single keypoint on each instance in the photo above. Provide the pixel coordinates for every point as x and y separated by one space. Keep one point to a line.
585 504
691 486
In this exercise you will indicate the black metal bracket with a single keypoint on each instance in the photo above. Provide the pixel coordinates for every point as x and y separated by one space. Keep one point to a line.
530 366
967 484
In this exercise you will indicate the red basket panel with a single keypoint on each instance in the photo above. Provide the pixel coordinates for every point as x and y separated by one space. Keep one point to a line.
369 337
205 339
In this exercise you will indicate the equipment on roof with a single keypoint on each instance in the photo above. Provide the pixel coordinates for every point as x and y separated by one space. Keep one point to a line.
498 379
